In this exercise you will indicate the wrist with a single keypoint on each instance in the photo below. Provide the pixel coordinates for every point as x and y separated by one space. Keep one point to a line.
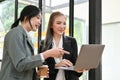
46 54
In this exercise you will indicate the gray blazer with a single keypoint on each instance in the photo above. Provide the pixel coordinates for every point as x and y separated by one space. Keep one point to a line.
18 61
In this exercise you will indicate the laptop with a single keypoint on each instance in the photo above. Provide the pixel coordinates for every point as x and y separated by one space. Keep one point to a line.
88 58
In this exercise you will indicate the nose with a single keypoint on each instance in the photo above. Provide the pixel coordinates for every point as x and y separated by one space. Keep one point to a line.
63 26
39 22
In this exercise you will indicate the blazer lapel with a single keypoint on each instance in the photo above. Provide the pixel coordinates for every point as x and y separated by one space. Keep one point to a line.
66 45
26 36
30 43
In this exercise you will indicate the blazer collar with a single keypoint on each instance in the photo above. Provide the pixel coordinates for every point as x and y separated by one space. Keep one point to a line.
26 36
66 42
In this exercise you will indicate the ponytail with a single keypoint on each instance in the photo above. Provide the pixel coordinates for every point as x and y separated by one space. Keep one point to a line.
26 14
15 24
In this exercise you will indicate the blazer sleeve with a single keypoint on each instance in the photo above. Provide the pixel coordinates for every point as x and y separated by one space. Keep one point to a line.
74 55
19 52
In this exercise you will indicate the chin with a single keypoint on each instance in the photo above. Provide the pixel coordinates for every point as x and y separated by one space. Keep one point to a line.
61 34
34 30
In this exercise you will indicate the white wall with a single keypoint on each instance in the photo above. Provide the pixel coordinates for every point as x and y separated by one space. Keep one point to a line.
110 37
110 11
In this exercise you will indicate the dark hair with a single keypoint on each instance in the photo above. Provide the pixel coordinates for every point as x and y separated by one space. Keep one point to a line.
29 11
49 34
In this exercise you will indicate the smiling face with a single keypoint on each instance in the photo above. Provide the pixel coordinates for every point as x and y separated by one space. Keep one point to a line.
35 22
59 25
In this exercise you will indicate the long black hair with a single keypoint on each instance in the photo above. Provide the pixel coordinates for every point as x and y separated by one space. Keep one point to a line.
29 11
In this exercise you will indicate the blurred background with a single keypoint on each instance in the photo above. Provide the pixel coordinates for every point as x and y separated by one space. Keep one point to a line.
110 23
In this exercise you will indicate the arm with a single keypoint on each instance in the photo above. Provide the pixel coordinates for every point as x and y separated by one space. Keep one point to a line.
74 55
21 55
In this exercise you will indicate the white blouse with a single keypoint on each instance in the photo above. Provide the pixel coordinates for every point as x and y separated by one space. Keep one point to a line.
60 74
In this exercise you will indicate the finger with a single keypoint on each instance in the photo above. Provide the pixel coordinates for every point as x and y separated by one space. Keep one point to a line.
47 75
64 65
68 62
71 64
61 53
79 70
65 52
87 69
68 65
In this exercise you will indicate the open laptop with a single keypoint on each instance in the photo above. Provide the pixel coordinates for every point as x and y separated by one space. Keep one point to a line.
89 57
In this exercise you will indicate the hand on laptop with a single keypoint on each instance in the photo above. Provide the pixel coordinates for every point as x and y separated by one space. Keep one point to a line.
64 63
81 70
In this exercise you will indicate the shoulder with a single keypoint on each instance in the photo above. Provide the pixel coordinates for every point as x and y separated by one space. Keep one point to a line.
12 32
16 30
69 38
16 33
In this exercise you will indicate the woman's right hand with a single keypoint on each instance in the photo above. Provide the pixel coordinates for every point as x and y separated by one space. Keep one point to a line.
81 70
54 52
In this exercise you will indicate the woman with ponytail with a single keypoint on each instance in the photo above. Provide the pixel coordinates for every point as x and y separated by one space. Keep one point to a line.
19 61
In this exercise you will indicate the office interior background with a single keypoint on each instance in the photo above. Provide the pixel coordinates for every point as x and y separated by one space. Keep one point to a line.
89 21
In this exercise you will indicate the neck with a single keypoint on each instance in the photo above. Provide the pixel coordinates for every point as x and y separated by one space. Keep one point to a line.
57 39
25 26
